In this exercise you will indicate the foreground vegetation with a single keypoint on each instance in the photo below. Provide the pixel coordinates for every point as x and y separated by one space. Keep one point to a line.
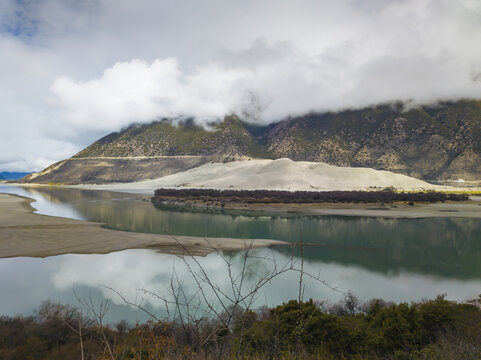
304 197
434 329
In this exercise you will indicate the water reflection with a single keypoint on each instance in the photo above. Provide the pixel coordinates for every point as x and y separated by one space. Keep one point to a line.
396 259
448 247
129 270
25 283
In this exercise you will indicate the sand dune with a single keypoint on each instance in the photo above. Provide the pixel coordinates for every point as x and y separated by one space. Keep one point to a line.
281 174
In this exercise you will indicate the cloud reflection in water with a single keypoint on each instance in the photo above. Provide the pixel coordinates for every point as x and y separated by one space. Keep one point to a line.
130 270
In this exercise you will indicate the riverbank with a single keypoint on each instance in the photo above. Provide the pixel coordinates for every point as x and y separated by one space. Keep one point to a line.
24 233
466 209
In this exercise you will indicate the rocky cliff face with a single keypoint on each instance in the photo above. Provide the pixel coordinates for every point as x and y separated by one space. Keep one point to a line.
430 142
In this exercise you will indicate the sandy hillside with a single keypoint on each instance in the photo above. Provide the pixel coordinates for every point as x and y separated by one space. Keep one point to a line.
281 174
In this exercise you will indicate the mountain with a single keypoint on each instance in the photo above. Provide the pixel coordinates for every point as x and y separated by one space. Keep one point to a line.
8 175
430 142
435 142
231 137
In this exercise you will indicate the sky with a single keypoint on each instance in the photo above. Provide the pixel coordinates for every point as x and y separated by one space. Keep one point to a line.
72 71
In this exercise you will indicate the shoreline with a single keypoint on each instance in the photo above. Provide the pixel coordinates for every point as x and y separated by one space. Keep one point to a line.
26 234
467 209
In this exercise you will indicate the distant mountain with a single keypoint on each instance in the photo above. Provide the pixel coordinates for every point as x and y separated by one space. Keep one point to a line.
6 175
430 142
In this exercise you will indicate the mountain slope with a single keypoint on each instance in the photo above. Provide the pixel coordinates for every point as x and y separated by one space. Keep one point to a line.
164 138
435 142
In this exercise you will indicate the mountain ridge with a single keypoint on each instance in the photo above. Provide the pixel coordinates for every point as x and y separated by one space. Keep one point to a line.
433 142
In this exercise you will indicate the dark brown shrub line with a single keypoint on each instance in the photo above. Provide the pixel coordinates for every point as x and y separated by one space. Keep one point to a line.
304 197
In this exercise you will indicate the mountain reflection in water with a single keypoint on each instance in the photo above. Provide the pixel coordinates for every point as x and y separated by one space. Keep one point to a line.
396 259
448 247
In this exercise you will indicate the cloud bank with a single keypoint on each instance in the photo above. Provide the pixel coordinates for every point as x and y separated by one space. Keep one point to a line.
74 71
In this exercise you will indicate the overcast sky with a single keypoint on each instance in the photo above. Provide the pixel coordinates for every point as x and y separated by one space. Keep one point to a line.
74 70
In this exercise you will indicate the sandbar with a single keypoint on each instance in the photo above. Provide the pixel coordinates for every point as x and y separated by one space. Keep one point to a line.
469 209
24 233
452 209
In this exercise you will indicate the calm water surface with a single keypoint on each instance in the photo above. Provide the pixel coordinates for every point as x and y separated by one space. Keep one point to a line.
395 259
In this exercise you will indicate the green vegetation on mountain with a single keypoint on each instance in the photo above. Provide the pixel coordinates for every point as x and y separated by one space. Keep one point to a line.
435 142
164 138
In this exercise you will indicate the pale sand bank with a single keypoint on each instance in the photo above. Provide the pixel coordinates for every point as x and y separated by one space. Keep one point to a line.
23 233
280 174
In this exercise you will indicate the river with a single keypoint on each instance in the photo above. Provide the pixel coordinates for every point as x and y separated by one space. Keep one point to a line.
394 259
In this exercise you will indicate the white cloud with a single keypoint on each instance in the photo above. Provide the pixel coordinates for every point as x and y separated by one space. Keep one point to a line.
136 91
73 71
